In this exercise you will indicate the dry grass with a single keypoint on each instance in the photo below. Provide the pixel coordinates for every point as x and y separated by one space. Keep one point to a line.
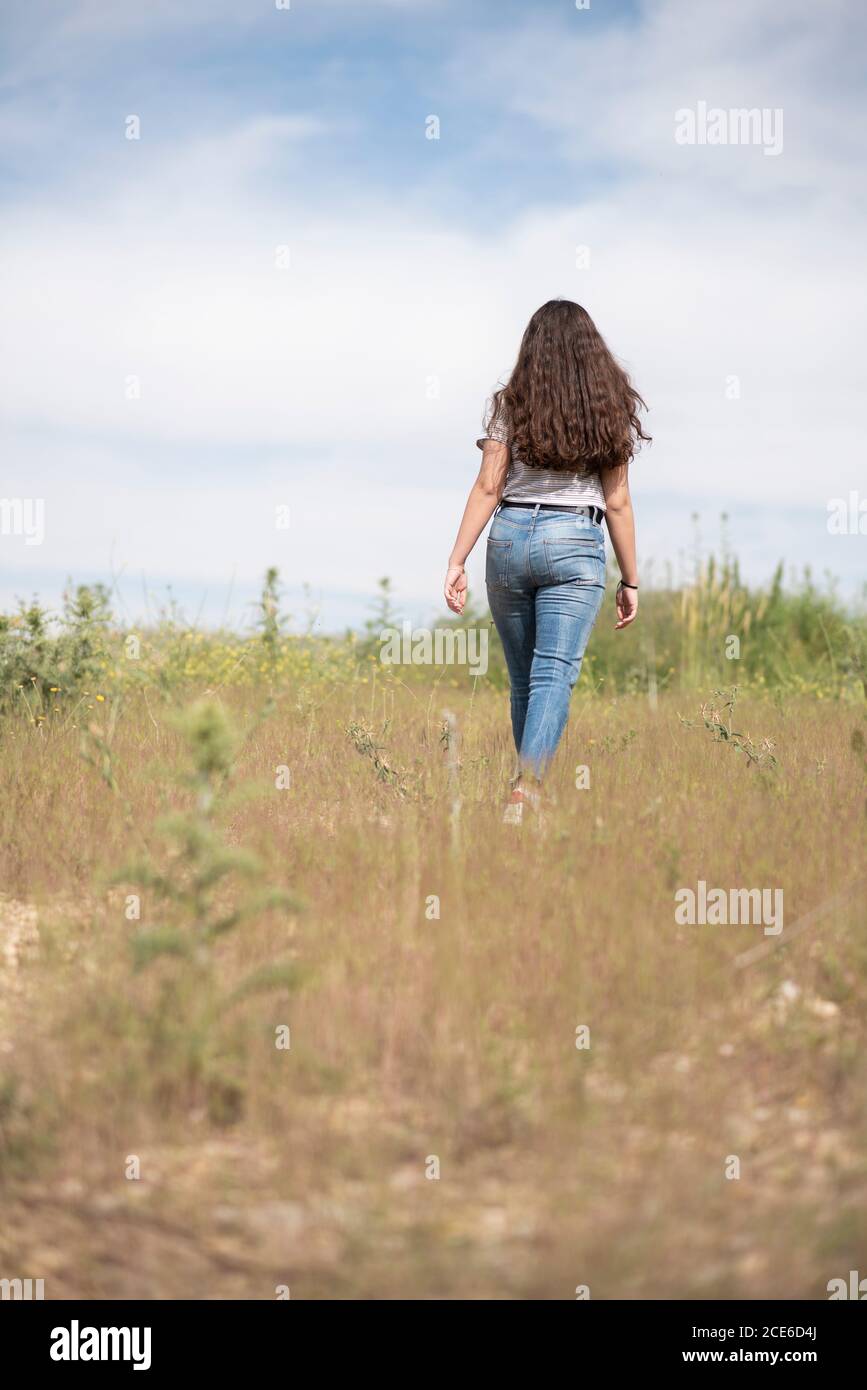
413 1036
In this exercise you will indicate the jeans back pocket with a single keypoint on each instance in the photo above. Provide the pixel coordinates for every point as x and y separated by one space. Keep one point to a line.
575 559
497 563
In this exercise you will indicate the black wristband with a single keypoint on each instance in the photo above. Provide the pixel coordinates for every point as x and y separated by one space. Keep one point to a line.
624 585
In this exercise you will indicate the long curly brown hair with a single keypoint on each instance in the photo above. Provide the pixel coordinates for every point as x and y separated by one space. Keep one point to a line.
568 405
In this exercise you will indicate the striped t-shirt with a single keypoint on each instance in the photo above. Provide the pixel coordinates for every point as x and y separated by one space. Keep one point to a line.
526 484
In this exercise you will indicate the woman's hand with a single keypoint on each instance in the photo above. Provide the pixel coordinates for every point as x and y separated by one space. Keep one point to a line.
485 493
627 607
455 588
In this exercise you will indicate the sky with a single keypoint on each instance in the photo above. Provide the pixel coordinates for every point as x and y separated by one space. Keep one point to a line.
263 332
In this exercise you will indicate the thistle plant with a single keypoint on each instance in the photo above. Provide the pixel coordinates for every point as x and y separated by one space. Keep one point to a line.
191 890
363 739
49 665
270 622
198 893
717 715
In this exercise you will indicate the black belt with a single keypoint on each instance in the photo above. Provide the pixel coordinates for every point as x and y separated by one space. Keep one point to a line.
596 513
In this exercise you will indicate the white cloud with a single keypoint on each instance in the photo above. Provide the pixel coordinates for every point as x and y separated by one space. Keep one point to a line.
312 385
611 94
172 278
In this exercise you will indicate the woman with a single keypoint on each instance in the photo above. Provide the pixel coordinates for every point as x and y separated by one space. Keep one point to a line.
555 457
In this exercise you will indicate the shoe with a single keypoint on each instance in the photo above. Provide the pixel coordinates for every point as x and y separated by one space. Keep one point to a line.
519 798
514 812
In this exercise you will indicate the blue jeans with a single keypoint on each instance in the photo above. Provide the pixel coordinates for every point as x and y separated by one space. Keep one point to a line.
545 575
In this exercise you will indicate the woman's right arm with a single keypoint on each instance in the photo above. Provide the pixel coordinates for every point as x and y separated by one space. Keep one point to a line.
621 528
485 494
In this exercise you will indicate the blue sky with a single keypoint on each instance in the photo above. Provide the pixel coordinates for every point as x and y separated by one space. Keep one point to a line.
348 385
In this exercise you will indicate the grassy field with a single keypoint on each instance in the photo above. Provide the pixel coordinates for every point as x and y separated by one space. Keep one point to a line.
284 1006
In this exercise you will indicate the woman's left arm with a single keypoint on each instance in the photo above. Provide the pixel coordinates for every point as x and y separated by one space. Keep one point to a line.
484 497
